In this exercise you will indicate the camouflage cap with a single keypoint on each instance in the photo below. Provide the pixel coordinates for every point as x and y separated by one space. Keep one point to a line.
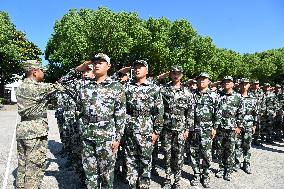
266 84
203 74
33 64
143 62
228 78
255 81
102 56
176 68
244 80
278 86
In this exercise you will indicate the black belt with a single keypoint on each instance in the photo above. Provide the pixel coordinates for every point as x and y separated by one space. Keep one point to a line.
94 118
175 112
137 113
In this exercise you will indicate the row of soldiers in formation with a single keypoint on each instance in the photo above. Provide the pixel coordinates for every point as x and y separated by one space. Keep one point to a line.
106 122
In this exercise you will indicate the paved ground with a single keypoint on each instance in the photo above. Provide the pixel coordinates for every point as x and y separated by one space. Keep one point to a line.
267 163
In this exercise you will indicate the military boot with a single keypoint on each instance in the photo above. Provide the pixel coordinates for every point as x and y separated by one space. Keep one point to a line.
220 173
228 176
236 167
195 180
247 168
167 183
176 185
206 181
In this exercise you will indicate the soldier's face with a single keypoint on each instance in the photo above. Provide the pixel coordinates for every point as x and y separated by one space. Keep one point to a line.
228 84
175 76
101 67
89 74
245 86
38 74
255 86
213 88
140 71
203 82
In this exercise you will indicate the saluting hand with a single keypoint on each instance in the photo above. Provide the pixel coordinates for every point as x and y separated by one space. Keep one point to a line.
114 146
154 138
213 133
84 66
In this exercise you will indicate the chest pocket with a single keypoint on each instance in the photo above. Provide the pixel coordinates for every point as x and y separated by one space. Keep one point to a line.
204 109
182 102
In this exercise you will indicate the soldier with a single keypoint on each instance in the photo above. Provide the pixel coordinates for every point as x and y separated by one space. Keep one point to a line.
249 126
102 119
32 98
178 118
76 141
279 114
66 120
192 84
145 112
204 130
228 123
268 109
256 92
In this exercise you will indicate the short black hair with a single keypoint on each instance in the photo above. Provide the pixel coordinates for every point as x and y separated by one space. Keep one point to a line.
29 72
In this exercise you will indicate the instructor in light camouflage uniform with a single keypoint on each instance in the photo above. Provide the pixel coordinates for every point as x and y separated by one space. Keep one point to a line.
32 98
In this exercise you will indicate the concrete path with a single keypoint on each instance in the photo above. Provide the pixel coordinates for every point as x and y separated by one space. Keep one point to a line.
267 164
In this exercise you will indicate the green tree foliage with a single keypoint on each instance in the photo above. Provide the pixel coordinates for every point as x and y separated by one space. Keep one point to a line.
125 37
14 49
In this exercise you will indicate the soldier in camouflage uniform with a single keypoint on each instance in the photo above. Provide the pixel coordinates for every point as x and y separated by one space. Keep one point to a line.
66 120
203 131
243 145
144 120
229 119
268 110
102 119
178 117
278 133
77 142
256 92
32 98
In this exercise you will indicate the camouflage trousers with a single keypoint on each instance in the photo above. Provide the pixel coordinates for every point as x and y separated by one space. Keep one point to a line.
77 149
278 129
225 144
243 146
174 145
138 150
67 133
31 162
201 146
98 163
120 169
267 125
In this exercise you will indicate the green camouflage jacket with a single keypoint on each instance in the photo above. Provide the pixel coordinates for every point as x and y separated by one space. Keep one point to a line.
205 109
145 107
251 109
269 104
102 108
230 111
178 107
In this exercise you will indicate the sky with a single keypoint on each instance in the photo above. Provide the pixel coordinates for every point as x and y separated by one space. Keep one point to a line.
245 26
